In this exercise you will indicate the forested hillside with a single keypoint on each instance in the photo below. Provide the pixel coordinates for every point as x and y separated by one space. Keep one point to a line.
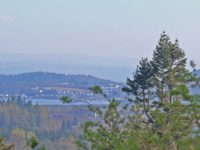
56 127
40 78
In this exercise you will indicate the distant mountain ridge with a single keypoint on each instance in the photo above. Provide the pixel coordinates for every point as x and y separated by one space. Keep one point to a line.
39 78
111 68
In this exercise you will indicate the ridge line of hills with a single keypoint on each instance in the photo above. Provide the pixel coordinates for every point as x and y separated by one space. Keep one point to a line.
47 78
46 85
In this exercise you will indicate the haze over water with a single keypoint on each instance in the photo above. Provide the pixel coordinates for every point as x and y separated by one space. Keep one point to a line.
102 38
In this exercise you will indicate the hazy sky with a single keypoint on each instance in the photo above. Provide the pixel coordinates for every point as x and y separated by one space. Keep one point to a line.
112 28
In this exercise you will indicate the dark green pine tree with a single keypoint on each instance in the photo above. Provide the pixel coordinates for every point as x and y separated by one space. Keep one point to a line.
142 86
169 64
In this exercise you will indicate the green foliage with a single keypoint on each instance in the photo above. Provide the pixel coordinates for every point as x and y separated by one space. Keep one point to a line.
96 89
163 115
65 99
169 64
182 90
106 133
42 148
142 84
32 142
